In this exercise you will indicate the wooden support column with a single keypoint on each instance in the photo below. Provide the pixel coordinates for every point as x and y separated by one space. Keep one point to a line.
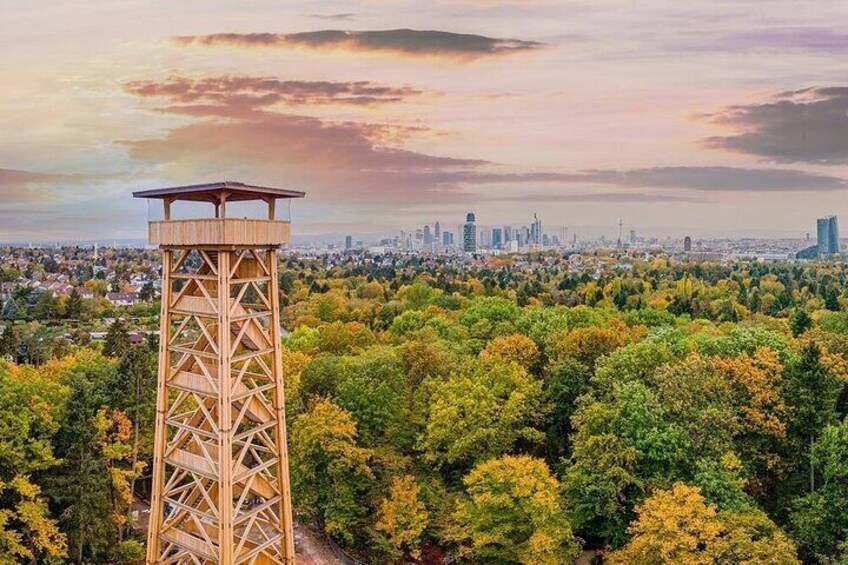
286 514
225 413
222 205
167 205
160 439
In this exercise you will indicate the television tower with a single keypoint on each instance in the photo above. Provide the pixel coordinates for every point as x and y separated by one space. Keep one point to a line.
221 490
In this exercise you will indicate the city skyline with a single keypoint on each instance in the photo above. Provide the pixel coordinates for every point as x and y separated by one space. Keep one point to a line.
725 119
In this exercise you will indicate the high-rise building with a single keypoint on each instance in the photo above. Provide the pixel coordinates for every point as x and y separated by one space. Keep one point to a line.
535 231
447 238
469 234
437 233
508 234
428 237
687 243
484 238
348 242
497 238
828 235
632 237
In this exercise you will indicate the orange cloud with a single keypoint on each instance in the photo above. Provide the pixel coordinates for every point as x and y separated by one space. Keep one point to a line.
264 91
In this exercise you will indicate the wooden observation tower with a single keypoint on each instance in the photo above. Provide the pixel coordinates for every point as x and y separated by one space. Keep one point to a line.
220 465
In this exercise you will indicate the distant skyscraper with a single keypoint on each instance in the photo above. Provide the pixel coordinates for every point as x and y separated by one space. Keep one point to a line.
428 237
348 242
497 238
469 234
687 243
437 235
447 239
828 235
632 236
535 231
484 238
508 234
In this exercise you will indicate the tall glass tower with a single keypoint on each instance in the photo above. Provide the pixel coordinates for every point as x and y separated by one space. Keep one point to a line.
469 234
828 235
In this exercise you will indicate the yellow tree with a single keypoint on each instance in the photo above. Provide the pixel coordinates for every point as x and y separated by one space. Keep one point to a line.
403 517
678 527
29 410
587 345
514 514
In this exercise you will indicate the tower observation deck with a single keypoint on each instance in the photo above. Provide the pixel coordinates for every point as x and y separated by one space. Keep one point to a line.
221 489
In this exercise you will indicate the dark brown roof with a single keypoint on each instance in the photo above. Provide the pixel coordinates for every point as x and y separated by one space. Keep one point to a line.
211 192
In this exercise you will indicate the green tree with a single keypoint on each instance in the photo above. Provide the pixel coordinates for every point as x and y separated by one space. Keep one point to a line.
330 472
8 342
482 412
372 388
800 322
47 307
514 514
117 339
564 381
621 443
820 519
133 391
73 306
147 292
28 420
812 391
81 488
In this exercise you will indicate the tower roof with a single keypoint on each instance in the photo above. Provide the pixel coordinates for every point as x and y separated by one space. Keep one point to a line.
211 192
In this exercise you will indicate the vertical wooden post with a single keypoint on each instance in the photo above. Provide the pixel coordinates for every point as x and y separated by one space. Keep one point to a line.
272 208
225 416
222 205
283 478
160 439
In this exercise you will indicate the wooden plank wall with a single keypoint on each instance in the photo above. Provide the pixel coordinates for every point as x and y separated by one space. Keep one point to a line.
219 231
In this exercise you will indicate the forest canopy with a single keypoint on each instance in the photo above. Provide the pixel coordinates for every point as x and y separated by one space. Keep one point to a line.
505 413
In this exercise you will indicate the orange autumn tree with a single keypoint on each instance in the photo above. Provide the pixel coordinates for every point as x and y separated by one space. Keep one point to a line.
514 347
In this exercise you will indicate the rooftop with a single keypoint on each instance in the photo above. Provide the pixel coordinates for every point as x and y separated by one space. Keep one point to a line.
212 192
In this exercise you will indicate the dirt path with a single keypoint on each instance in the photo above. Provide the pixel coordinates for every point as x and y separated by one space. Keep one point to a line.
311 548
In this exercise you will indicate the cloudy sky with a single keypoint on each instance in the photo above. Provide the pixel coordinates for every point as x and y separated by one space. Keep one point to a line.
710 117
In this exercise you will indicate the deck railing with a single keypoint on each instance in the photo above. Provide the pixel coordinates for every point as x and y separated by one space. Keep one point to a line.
219 231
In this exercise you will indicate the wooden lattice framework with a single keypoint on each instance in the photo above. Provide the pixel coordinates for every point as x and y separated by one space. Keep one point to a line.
220 491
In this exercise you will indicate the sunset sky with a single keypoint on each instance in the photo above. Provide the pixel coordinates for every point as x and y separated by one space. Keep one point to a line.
708 117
